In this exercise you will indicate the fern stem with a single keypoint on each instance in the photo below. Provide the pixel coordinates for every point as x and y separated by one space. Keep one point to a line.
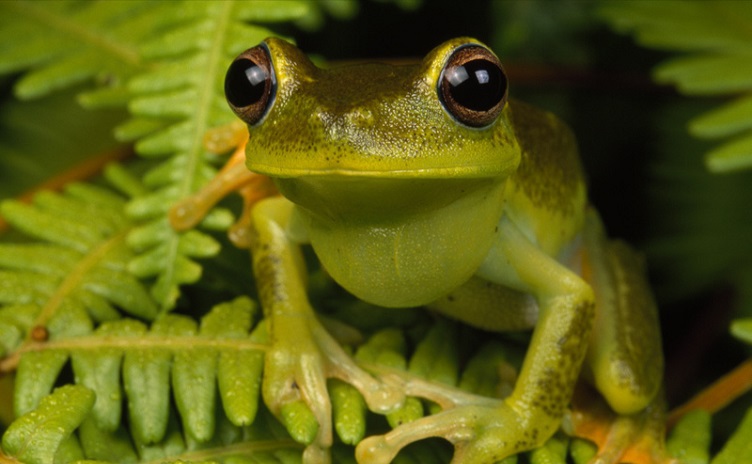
71 281
97 343
206 95
249 448
84 170
194 153
718 395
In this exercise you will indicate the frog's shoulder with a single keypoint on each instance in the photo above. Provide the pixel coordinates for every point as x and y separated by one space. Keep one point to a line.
547 193
550 172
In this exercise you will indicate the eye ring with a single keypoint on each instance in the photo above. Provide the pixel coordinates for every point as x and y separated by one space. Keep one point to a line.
473 86
251 85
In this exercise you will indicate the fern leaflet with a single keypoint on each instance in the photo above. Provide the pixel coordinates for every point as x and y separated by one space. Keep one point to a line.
169 70
38 437
76 275
717 40
182 97
66 42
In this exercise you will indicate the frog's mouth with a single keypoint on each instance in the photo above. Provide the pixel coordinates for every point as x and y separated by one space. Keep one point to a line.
374 198
435 173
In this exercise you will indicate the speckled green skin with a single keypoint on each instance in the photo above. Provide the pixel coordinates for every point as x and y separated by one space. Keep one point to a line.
405 206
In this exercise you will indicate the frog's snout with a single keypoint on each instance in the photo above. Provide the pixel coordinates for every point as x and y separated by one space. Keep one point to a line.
343 125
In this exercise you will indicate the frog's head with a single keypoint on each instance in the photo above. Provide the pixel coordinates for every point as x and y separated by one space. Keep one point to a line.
443 118
363 146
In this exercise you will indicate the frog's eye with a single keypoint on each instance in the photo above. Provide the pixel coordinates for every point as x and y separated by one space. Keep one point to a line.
250 84
473 86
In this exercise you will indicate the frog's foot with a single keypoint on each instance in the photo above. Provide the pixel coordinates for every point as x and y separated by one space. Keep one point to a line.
233 177
480 433
637 438
295 382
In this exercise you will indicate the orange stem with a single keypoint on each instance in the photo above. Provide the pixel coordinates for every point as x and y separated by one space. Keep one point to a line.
83 170
718 395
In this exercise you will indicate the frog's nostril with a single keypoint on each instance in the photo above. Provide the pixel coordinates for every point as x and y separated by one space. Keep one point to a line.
361 117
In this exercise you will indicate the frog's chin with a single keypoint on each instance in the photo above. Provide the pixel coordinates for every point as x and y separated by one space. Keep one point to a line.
399 243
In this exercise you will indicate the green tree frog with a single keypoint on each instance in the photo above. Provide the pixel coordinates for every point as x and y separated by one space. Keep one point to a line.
426 185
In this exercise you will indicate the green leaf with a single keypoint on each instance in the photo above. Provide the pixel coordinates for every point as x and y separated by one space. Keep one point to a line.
716 74
172 110
139 51
146 375
554 451
742 329
105 445
99 370
436 357
717 44
36 436
299 421
484 373
66 43
682 25
731 156
238 371
739 447
35 377
194 383
690 438
582 451
173 443
349 411
77 274
726 120
69 450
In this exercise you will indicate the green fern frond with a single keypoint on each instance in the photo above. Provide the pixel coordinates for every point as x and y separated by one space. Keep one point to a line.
169 70
40 436
174 105
174 354
738 448
742 329
62 430
67 42
75 274
690 439
716 38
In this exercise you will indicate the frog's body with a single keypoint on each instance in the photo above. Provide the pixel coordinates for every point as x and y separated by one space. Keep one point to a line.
475 206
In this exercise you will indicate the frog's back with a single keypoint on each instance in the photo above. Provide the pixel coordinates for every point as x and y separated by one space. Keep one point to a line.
546 196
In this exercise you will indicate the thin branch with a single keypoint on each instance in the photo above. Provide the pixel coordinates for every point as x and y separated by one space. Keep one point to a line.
718 395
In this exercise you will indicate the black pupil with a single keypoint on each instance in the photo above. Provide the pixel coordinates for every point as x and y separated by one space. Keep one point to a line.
245 83
477 85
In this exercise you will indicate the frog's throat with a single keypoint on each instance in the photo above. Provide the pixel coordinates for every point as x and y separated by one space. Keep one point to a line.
399 243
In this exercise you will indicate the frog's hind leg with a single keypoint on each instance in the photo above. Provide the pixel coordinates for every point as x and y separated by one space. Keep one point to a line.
624 354
487 433
624 357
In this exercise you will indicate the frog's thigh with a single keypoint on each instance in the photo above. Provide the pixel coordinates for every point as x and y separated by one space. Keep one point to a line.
625 353
489 306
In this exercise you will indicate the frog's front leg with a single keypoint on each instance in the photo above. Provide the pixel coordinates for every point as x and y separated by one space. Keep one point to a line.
302 355
485 434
